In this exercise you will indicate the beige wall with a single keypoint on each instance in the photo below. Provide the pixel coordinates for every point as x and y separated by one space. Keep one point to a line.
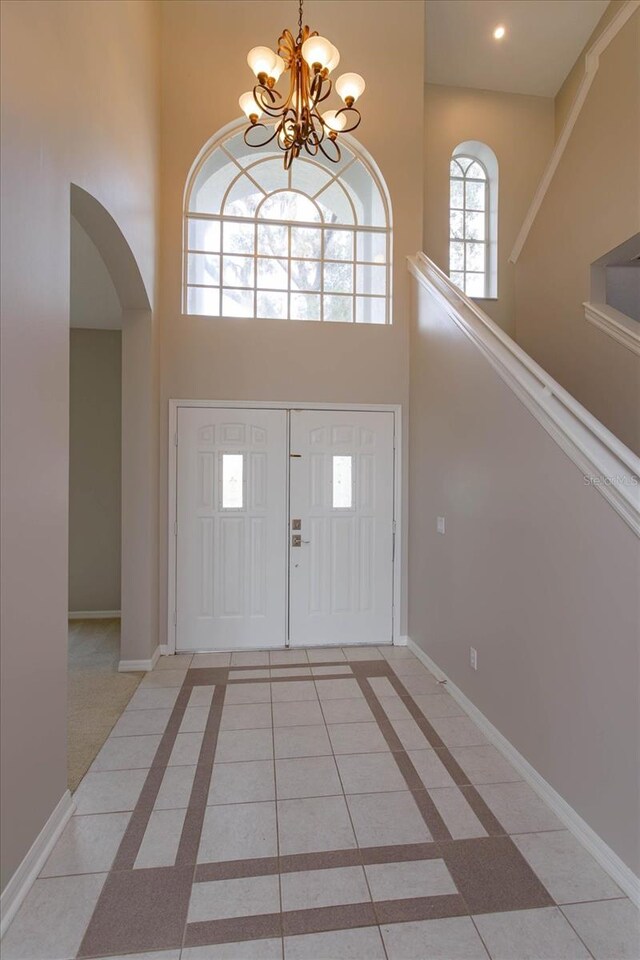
536 571
204 66
519 129
567 92
592 205
79 92
94 469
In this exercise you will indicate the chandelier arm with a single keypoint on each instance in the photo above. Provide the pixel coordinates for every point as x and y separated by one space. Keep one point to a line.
257 126
334 145
353 124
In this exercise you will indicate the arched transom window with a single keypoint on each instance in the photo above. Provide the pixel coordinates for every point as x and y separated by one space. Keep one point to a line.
309 243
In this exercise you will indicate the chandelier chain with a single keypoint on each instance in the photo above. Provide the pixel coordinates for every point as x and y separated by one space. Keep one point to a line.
300 20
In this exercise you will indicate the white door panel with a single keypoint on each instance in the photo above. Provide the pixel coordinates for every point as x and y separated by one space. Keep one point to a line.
231 537
341 490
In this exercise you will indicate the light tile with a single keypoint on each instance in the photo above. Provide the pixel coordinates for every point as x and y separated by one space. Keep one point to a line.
518 808
211 660
151 698
87 845
421 685
176 661
156 955
138 723
297 713
484 764
307 826
362 653
250 781
453 938
357 738
250 658
247 950
246 716
126 753
248 693
346 689
370 773
457 731
296 655
347 711
161 839
53 918
194 720
397 652
236 745
238 831
116 790
305 890
243 897
358 944
201 695
434 705
328 671
458 816
280 672
325 655
569 873
410 735
382 819
186 749
307 777
308 741
610 929
395 708
293 690
163 678
382 687
175 789
413 878
430 768
532 935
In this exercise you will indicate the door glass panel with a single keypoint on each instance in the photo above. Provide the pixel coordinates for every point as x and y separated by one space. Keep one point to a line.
342 485
232 481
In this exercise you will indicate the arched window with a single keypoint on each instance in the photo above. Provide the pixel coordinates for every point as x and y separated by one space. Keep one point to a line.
473 219
309 243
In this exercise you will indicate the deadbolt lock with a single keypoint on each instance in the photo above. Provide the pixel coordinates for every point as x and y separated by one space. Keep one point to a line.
296 524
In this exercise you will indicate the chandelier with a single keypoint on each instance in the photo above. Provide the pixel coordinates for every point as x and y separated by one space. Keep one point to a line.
297 122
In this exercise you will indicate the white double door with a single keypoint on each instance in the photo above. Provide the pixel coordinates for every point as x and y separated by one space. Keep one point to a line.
285 527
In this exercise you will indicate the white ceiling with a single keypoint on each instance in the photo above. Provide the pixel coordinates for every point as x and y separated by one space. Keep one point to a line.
94 302
543 40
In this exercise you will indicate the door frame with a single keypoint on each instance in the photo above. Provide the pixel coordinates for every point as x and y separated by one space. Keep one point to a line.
172 513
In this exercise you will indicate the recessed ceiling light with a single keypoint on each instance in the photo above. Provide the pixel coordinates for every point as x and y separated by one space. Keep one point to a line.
499 32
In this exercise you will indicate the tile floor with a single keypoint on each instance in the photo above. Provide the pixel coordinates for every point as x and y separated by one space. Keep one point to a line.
312 805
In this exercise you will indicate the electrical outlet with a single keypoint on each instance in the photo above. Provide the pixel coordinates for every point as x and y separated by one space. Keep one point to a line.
440 525
473 658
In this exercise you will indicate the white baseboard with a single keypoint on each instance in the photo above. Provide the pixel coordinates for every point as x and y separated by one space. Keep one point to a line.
94 615
21 882
401 641
596 846
128 666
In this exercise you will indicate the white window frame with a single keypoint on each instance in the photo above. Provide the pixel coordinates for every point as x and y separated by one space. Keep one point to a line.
358 157
483 155
464 179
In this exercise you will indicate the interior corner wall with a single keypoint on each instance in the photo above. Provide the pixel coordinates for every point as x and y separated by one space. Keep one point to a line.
520 131
592 206
95 443
79 105
204 71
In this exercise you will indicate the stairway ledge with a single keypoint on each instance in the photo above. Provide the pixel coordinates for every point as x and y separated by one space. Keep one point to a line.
606 464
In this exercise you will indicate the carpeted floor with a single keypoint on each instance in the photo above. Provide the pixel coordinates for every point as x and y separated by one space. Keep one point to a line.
97 693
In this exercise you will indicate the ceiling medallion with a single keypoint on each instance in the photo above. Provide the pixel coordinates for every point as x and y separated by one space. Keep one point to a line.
298 124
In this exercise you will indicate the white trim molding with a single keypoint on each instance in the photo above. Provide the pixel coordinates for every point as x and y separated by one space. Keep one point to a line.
22 880
592 62
615 324
129 666
590 840
603 460
94 615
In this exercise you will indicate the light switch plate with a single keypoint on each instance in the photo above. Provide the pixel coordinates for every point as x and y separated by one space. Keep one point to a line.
440 525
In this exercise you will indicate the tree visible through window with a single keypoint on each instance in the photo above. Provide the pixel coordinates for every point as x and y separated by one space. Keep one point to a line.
469 225
309 243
